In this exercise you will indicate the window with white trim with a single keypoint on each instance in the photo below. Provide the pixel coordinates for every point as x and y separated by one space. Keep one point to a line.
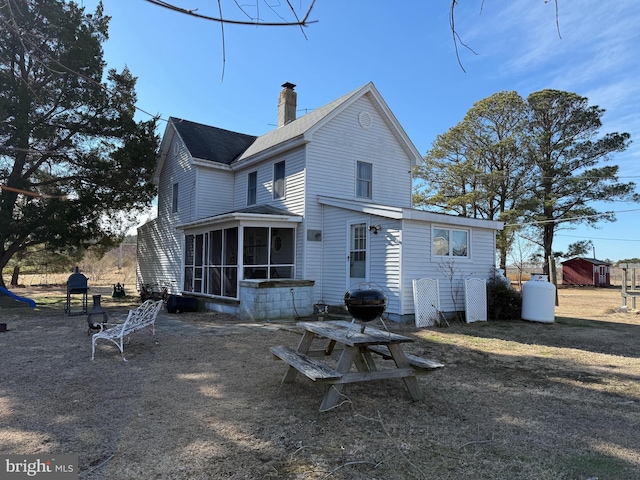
252 188
364 180
278 180
174 198
450 242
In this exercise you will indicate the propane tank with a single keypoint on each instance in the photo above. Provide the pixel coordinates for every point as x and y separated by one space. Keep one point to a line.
538 299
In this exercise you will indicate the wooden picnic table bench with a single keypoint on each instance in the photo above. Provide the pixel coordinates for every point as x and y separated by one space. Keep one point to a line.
142 317
424 364
353 347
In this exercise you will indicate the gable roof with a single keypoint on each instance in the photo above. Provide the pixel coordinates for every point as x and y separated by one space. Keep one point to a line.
203 142
232 148
301 130
211 143
594 261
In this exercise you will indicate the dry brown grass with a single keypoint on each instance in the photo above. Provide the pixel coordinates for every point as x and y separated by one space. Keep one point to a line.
516 400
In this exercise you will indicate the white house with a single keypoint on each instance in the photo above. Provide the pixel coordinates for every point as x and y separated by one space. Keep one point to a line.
268 227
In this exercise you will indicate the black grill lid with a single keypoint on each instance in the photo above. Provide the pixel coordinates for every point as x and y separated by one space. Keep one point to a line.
364 297
76 281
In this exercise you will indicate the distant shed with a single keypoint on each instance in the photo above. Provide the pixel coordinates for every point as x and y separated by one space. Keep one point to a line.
586 271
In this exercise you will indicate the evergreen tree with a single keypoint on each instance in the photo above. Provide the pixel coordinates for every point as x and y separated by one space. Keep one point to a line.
536 162
476 169
564 157
72 156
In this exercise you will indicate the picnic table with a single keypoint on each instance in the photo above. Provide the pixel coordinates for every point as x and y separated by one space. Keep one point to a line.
352 346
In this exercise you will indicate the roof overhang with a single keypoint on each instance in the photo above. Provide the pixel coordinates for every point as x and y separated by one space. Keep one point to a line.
163 152
362 207
241 218
398 213
210 164
272 151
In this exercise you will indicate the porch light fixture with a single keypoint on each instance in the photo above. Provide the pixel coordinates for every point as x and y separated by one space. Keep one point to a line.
374 229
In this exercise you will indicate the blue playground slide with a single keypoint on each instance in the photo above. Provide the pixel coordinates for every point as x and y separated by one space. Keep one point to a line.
31 303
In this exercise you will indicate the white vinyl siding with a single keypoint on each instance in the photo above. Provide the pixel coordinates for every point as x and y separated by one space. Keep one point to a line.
294 180
383 251
213 194
159 243
331 162
177 170
418 262
332 264
341 143
384 264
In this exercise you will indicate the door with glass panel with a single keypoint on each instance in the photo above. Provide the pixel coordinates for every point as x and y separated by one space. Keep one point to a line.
358 271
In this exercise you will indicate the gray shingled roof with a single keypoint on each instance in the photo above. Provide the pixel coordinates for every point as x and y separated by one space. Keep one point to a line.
211 143
297 127
224 146
254 209
266 210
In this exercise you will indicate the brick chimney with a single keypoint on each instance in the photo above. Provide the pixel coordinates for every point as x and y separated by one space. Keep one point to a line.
287 104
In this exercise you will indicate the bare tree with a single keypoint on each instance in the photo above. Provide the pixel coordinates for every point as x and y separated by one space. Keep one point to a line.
251 15
520 254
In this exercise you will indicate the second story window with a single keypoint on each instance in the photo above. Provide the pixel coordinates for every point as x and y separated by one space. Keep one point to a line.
278 180
364 180
252 188
174 198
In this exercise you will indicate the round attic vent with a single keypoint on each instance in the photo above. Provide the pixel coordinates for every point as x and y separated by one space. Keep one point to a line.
365 120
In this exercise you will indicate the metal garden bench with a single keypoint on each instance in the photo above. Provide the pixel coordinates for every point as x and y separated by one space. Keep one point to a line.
142 317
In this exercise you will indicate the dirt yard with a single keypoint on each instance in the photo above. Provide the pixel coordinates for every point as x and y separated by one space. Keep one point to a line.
516 399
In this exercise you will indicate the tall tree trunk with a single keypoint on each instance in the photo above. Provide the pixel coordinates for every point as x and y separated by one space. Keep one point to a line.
503 259
3 263
547 240
15 275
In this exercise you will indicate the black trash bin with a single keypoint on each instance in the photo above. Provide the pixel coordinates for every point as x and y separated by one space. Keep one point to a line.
179 304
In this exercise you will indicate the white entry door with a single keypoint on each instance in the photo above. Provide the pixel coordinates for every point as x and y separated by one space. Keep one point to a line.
358 264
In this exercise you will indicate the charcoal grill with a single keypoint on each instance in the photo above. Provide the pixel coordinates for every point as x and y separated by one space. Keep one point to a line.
77 284
365 304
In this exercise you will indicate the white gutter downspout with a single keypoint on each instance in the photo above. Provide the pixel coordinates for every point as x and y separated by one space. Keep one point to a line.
322 253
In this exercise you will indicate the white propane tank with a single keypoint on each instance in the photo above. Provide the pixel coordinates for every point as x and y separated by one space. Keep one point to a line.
538 299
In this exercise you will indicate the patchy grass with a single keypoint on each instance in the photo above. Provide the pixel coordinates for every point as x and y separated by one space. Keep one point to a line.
516 399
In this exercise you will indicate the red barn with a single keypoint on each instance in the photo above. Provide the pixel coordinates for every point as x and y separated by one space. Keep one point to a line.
586 271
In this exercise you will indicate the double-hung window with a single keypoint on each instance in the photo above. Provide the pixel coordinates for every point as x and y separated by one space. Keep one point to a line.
364 180
450 242
174 198
278 180
252 188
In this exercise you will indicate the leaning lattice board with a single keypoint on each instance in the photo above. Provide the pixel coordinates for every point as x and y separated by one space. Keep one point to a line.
475 299
426 301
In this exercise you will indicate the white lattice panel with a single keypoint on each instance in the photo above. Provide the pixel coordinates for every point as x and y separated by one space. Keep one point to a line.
475 299
426 301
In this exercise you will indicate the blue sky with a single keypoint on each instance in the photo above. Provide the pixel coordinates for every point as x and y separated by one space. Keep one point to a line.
406 49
